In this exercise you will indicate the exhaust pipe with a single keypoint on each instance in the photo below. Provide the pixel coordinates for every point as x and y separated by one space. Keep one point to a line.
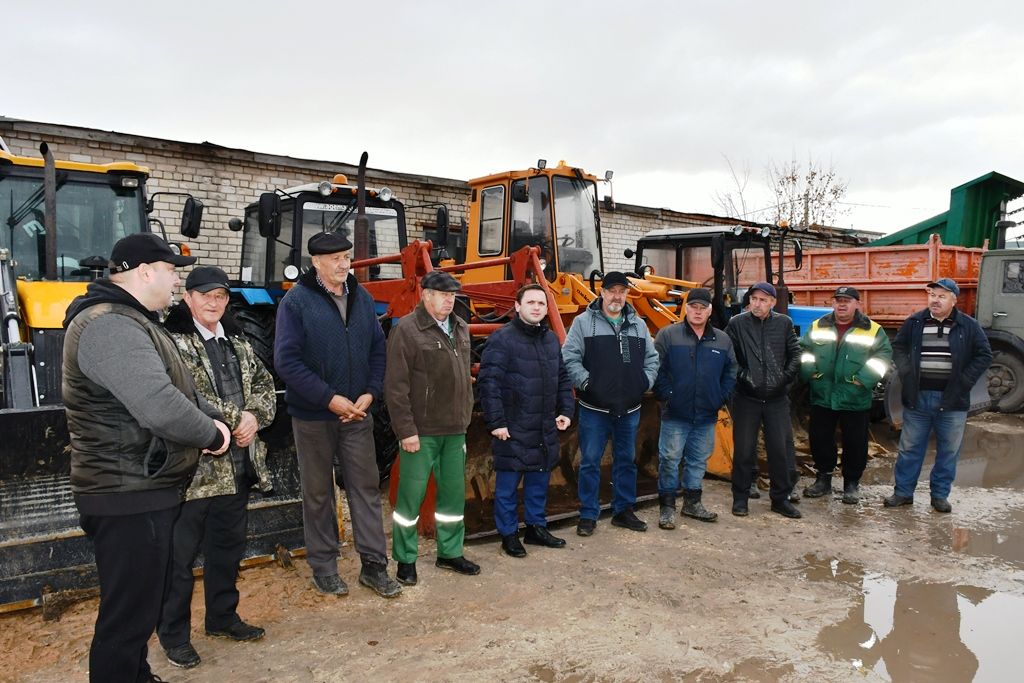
50 209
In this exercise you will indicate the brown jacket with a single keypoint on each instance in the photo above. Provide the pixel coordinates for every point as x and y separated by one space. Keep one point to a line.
427 384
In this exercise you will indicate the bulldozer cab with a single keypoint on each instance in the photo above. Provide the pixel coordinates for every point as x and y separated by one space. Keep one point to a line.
276 229
554 209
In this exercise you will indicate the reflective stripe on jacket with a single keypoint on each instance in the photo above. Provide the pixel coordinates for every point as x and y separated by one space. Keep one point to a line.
842 373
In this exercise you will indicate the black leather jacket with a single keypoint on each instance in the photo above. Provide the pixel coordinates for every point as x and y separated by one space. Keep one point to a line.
767 352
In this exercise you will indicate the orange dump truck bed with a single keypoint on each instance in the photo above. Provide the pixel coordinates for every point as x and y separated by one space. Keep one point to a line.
891 279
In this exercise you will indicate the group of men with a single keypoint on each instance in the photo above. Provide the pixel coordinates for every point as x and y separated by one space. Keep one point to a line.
163 420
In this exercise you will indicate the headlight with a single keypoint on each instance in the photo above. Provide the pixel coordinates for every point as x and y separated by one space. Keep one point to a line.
325 188
385 194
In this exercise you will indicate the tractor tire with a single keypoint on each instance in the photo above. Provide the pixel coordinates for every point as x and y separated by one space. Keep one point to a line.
259 325
1006 382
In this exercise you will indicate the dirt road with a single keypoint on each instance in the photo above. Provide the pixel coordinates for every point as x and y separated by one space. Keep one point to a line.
847 593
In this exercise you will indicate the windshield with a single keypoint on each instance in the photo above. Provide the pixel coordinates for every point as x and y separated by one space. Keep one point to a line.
576 226
382 237
91 217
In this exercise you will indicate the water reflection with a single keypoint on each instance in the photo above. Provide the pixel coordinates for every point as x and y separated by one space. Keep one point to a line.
920 631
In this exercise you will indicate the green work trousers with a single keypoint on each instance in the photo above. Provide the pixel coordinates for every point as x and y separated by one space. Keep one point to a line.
445 456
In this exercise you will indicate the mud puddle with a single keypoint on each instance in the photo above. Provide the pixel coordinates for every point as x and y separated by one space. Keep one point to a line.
910 630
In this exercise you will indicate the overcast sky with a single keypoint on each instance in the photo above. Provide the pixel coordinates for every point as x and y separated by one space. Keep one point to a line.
904 99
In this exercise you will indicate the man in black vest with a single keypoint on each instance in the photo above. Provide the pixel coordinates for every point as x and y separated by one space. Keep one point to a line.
330 352
137 426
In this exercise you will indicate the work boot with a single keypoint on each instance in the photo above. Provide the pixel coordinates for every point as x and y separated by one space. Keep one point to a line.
851 492
458 564
375 576
786 509
183 656
330 585
896 500
511 545
822 485
586 527
754 492
941 505
539 535
692 507
406 573
666 511
739 507
238 631
628 520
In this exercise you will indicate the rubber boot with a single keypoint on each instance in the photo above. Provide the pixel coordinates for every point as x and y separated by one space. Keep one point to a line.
692 507
666 518
822 485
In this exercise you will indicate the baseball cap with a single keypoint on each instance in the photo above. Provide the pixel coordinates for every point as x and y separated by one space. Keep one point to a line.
206 278
440 281
327 243
144 247
947 284
847 291
698 296
765 287
613 278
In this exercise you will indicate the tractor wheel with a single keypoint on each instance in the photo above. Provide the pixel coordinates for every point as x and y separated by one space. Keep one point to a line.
258 324
1006 382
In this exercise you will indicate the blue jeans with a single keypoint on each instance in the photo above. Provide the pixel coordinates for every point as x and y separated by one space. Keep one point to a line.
686 441
535 499
918 424
595 429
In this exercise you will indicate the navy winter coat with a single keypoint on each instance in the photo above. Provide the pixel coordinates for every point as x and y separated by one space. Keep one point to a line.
523 386
696 376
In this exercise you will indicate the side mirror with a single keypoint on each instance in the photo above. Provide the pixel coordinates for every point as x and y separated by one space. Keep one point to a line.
629 253
191 218
235 225
520 194
270 215
798 255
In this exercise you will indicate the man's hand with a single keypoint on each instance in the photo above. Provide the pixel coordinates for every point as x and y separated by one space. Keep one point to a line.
224 432
501 433
346 410
245 432
363 403
411 444
562 422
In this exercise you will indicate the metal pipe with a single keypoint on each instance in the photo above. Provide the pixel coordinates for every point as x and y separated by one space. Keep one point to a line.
50 211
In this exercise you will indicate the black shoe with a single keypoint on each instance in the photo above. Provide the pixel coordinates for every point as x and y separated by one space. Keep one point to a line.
183 656
628 520
794 496
406 573
896 500
754 492
851 492
786 509
330 585
822 485
739 508
458 564
512 547
941 505
239 631
539 535
585 527
375 577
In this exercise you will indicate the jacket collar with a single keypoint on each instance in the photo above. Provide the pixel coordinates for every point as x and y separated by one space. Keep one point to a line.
179 321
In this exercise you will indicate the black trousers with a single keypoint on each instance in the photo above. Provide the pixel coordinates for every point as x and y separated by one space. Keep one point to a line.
217 526
748 416
132 556
822 433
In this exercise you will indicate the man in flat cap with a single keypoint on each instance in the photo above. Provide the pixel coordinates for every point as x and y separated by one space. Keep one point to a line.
696 376
845 355
611 361
429 392
228 374
137 427
939 353
768 357
330 351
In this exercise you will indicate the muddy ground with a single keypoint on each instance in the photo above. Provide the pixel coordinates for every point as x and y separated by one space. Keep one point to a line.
847 593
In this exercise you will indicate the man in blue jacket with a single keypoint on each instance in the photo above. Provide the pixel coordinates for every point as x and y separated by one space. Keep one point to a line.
611 361
526 397
330 352
939 353
695 379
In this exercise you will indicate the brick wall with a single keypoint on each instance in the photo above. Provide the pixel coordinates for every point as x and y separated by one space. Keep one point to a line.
227 180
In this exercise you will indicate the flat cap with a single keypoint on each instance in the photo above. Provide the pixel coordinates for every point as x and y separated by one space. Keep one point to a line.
440 281
144 247
327 243
206 278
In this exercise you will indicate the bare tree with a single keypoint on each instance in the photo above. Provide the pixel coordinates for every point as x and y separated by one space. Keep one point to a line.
806 197
733 202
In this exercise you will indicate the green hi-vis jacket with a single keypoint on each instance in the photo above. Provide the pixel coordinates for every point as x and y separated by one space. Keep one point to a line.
842 373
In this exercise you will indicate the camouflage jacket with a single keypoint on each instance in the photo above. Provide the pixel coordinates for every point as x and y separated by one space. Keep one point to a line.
215 476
